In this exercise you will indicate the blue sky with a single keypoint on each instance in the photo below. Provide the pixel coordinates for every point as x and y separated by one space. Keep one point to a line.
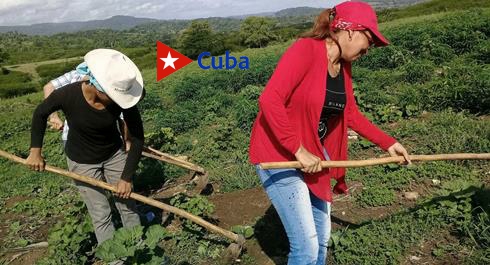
26 12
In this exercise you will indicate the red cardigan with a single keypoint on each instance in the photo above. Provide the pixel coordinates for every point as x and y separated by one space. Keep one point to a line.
289 112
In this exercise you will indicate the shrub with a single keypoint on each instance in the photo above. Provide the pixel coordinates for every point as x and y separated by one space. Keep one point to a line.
48 72
418 71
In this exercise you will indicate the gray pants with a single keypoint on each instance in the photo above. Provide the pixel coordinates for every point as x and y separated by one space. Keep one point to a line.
96 200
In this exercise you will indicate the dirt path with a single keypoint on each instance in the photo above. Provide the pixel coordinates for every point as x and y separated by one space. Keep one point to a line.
269 245
30 68
21 257
426 251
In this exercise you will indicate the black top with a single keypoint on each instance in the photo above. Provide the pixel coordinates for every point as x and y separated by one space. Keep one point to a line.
334 101
93 136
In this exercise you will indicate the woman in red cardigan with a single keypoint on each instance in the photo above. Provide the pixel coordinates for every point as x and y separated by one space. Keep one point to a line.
304 112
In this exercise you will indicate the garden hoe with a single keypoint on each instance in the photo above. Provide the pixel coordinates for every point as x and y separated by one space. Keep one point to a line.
380 161
199 177
233 250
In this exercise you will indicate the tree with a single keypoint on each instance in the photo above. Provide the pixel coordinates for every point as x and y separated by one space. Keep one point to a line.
3 55
257 32
199 37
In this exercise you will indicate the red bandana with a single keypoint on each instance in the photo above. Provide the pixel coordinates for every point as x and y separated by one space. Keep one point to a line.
340 23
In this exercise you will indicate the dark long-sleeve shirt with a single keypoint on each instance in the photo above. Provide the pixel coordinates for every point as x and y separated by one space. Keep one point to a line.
93 136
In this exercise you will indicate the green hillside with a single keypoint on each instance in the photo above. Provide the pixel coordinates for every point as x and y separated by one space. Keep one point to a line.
430 7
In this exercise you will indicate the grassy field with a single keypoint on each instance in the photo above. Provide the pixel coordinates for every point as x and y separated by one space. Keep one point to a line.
430 90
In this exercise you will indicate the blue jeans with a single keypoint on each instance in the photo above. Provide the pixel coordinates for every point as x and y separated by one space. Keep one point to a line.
305 217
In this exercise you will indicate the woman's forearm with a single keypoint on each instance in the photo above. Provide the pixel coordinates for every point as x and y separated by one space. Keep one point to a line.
38 127
135 134
36 150
134 155
41 114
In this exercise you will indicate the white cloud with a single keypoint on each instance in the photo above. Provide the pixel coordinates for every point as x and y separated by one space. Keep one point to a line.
22 12
8 4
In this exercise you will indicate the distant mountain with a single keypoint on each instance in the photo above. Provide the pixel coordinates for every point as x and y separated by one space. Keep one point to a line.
381 4
288 12
115 23
298 11
285 16
308 11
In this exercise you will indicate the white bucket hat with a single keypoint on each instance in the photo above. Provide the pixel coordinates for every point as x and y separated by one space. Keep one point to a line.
118 76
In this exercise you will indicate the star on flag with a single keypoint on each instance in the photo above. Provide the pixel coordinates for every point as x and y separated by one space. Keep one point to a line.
169 61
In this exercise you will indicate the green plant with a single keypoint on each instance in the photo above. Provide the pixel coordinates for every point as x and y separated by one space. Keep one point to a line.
442 249
246 231
418 71
134 246
389 57
163 139
376 196
49 201
198 205
71 241
14 236
205 249
246 107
